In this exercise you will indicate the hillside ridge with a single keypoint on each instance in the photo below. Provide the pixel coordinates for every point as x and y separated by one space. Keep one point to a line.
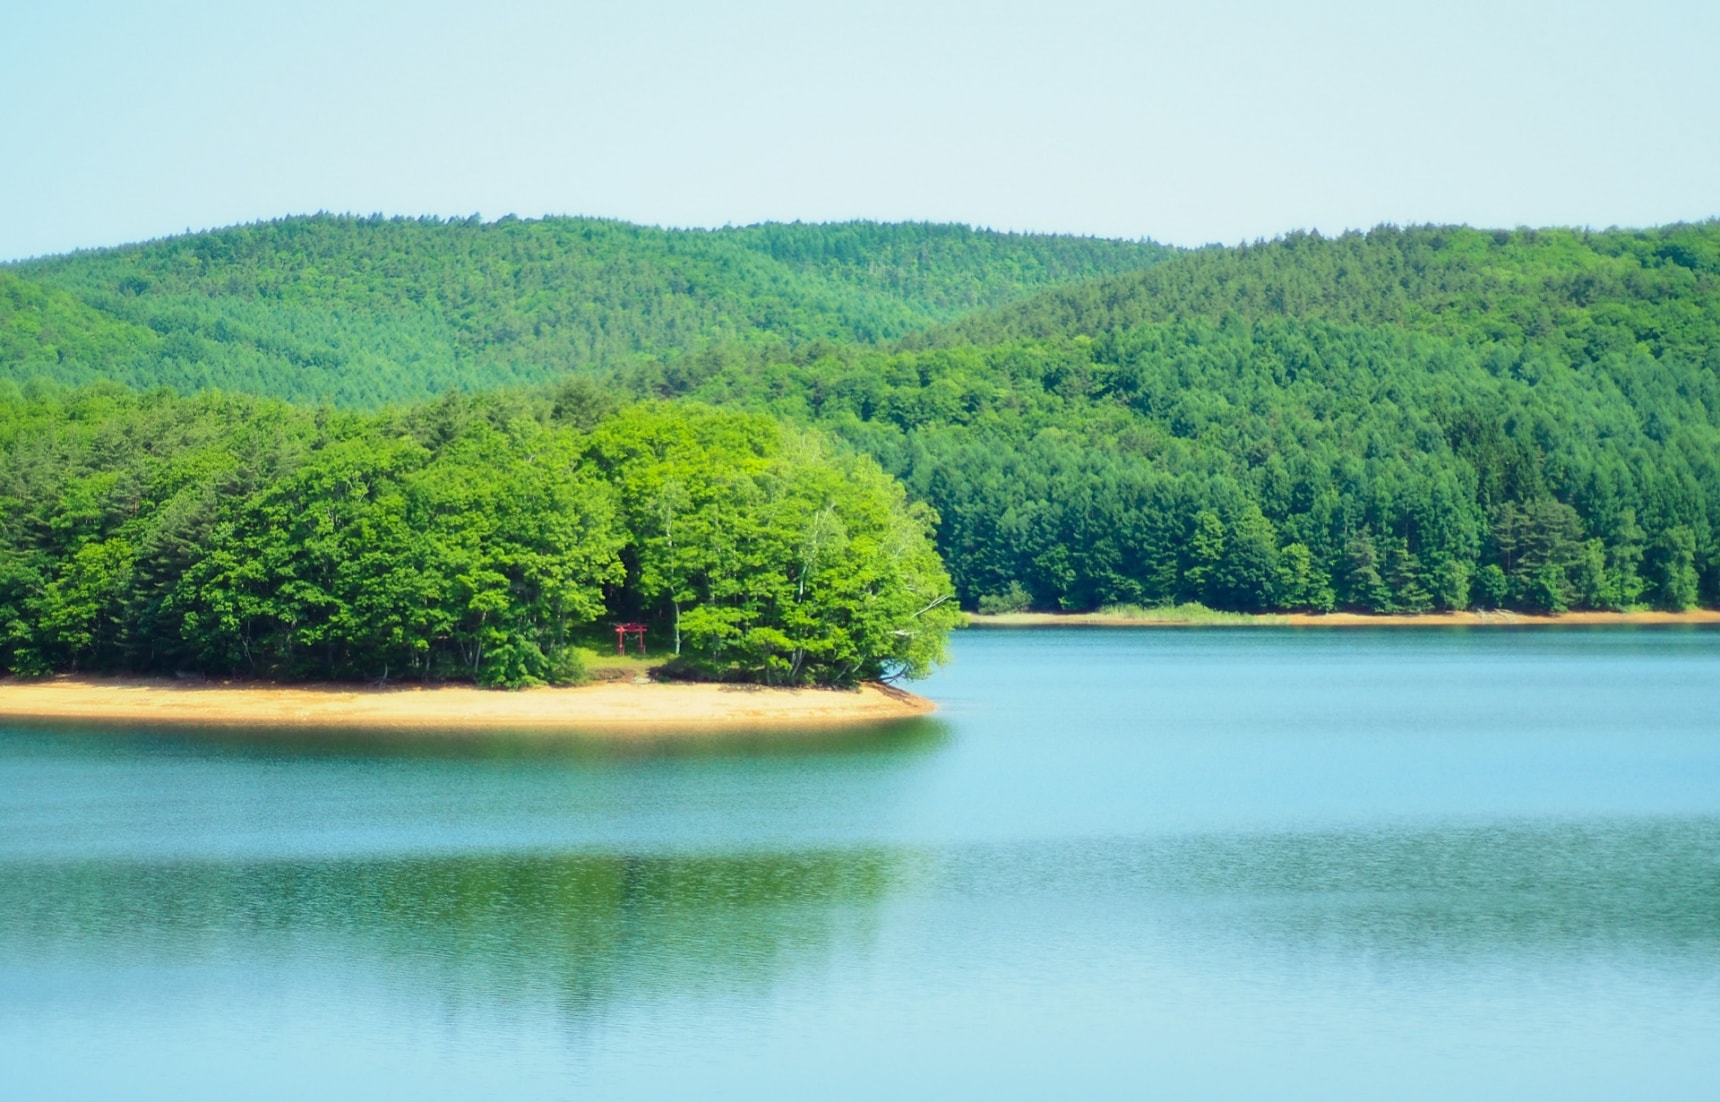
361 311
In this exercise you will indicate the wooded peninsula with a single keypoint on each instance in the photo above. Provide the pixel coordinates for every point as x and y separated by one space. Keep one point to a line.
390 449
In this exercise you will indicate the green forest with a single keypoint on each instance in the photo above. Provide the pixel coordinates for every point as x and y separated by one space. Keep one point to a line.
360 312
1398 421
480 538
343 447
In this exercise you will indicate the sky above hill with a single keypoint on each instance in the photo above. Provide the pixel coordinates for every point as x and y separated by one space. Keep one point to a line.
1188 123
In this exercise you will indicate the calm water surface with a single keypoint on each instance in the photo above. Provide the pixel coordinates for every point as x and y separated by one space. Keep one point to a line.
1118 864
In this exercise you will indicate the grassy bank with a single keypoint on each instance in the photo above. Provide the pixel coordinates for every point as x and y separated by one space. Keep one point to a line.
1194 615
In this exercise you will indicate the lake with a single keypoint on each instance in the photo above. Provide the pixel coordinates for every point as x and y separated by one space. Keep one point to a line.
1118 864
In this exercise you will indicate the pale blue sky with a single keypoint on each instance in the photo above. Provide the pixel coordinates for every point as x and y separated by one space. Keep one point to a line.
1188 123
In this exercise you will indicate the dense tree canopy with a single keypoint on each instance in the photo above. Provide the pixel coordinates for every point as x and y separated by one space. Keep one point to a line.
1397 421
363 311
471 538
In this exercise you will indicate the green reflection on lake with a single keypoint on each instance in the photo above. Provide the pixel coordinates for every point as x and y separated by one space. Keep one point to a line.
584 929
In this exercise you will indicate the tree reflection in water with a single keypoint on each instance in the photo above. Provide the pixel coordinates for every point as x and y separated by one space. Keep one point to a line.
582 931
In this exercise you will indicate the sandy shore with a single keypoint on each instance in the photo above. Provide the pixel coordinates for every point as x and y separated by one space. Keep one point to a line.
609 707
1346 619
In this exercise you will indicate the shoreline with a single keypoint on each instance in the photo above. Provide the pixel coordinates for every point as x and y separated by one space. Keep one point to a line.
604 708
1347 619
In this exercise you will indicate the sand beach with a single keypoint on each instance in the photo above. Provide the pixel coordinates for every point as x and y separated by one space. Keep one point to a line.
605 707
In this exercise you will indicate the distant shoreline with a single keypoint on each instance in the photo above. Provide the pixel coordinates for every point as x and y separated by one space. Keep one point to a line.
603 708
1343 619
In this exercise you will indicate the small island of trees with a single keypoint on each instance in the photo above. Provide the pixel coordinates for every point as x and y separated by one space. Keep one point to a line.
481 538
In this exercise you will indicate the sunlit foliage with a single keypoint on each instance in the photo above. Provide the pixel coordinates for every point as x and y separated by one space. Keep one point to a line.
364 311
481 539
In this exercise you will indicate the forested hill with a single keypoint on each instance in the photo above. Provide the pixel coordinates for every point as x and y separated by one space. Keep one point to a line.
1396 421
1407 419
1584 291
363 311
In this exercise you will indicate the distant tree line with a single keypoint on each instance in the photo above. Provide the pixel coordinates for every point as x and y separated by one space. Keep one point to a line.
360 312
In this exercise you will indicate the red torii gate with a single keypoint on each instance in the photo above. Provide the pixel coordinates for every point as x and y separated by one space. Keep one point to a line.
622 631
